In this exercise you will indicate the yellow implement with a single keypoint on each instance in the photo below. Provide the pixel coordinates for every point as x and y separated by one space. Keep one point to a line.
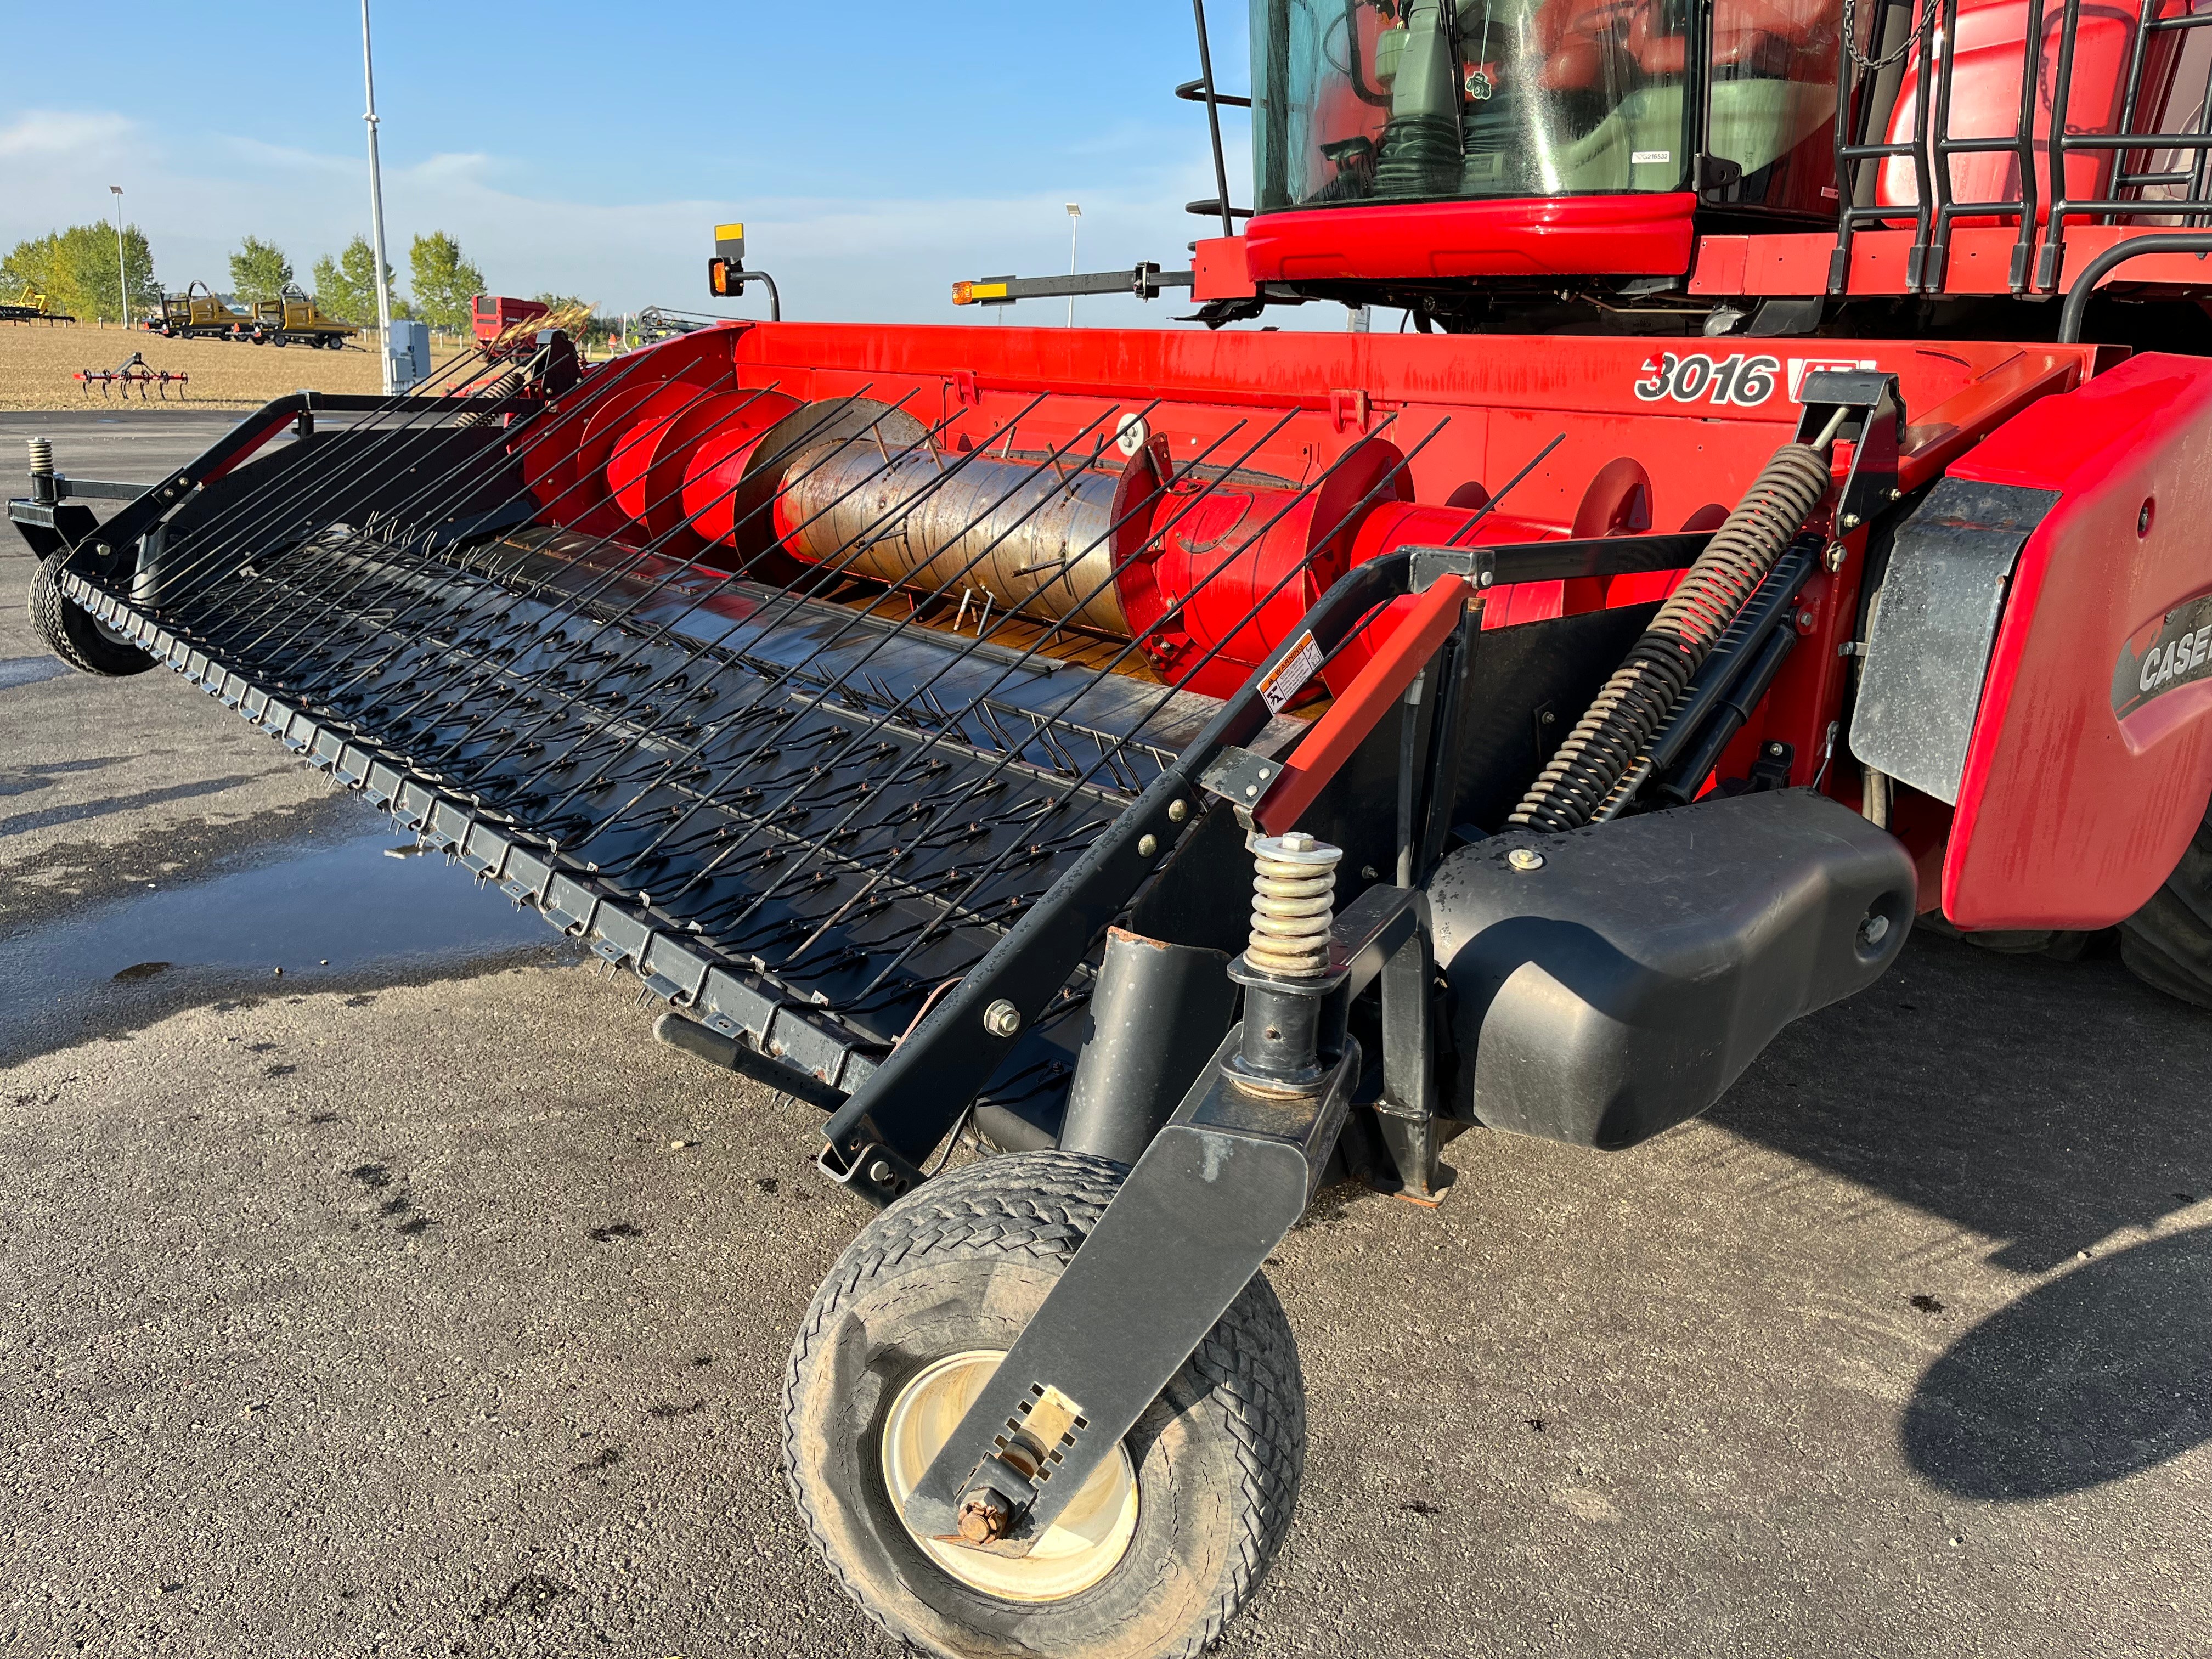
31 305
292 319
197 313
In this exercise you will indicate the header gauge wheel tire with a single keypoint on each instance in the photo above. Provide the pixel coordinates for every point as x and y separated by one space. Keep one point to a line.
1162 1546
72 634
2167 944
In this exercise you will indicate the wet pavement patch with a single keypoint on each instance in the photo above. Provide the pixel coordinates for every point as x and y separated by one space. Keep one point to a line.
314 913
29 671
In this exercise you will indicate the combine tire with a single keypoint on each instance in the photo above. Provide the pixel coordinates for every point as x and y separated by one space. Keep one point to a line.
73 635
2167 944
1170 1536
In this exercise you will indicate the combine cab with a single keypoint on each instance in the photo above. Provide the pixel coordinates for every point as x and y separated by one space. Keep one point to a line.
292 319
1202 766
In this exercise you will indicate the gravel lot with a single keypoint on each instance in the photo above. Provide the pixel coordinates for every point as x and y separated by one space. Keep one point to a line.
412 1300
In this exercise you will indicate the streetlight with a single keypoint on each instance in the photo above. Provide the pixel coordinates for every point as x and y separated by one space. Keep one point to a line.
122 271
1075 222
376 207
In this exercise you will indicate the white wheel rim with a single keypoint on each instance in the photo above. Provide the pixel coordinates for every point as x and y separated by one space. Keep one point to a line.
1076 1550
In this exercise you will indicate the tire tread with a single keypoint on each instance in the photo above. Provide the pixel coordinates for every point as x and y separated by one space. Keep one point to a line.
1044 1211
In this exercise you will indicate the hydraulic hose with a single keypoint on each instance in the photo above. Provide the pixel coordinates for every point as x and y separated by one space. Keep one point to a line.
1622 720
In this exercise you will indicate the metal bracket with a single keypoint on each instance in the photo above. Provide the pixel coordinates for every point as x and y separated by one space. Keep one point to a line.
1872 423
1213 1193
1239 776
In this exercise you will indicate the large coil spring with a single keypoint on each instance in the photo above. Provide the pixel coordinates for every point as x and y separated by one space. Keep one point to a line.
1622 720
1293 887
506 386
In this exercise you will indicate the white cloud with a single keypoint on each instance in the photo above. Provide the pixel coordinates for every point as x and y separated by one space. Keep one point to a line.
82 134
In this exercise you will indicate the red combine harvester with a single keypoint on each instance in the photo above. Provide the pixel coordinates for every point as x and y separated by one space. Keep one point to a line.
1201 766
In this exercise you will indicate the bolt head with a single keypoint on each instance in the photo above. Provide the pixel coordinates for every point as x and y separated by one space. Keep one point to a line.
879 1172
1525 859
1178 811
985 1514
1850 521
1002 1019
1147 845
1874 929
1832 556
1297 842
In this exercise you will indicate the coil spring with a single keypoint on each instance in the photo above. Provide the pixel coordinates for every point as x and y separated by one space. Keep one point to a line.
1622 720
1293 886
505 386
42 458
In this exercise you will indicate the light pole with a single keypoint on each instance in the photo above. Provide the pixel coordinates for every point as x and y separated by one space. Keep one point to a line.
122 270
1075 222
376 207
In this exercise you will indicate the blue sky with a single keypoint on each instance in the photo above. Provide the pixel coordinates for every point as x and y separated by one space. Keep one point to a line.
876 152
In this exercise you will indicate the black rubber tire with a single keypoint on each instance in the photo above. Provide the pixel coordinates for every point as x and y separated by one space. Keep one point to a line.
72 634
2167 944
961 1263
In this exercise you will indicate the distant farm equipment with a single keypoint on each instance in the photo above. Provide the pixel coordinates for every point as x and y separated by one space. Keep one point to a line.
197 315
31 305
133 371
292 319
500 323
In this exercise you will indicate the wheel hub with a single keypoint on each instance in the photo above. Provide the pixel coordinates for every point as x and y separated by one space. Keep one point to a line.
1078 1550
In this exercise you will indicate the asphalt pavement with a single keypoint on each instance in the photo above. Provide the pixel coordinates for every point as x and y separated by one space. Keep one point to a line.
411 1300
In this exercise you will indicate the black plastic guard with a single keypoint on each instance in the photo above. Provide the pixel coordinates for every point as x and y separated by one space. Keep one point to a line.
1624 984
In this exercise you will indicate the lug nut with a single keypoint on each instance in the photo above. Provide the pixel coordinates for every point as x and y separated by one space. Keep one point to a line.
1002 1019
985 1514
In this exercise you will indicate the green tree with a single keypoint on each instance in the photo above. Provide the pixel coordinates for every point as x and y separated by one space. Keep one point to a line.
345 288
76 269
445 282
259 270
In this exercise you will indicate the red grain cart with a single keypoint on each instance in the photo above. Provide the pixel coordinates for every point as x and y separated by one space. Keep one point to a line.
1208 764
497 319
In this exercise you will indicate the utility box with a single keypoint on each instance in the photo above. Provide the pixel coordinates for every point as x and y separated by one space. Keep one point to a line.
407 347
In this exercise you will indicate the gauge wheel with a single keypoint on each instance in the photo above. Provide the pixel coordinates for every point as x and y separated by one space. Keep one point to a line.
2168 943
1169 1535
75 635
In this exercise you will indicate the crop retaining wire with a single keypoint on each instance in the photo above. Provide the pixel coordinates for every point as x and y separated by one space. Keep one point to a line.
630 440
278 496
629 559
978 702
797 599
1610 738
1374 493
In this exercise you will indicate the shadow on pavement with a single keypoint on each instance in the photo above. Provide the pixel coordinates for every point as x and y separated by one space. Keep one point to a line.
2031 1101
2100 1373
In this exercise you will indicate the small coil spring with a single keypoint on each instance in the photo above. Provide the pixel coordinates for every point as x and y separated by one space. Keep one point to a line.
1293 887
42 458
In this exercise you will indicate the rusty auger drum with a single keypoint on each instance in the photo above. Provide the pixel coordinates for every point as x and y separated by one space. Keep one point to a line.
1196 766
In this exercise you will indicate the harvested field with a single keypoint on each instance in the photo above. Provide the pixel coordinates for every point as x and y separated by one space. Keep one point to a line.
36 361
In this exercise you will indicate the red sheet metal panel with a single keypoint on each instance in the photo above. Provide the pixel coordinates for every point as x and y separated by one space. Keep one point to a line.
2091 760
